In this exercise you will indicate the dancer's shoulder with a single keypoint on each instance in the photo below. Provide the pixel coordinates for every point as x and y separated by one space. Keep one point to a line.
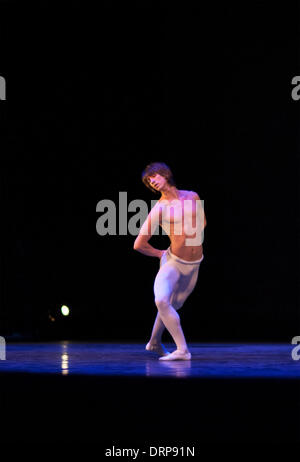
189 194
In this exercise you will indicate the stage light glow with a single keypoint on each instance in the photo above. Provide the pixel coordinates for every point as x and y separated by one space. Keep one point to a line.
65 310
64 364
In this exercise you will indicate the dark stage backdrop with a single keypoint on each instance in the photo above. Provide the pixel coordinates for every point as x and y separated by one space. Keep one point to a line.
91 99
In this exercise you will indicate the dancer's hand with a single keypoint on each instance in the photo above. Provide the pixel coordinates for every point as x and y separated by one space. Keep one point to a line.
162 252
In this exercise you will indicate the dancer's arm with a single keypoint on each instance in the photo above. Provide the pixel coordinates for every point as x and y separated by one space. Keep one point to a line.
141 243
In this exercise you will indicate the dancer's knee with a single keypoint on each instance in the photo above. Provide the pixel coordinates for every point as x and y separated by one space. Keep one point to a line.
162 303
165 309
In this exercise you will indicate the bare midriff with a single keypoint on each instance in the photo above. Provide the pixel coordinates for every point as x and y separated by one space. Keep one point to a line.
181 250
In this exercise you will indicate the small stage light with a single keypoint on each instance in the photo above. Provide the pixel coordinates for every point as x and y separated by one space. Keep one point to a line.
65 310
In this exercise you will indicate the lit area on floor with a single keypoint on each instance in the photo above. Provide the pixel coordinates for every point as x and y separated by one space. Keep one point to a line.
209 360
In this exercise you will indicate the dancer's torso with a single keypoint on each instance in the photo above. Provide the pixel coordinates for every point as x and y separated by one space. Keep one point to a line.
178 219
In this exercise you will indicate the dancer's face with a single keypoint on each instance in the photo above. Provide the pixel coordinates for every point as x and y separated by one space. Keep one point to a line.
157 181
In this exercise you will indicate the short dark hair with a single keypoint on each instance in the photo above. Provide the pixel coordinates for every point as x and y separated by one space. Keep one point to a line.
162 169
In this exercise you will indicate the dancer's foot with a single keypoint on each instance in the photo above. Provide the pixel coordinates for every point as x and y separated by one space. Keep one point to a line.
176 355
157 348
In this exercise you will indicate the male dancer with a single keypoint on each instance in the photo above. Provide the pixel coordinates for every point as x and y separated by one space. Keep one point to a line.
179 264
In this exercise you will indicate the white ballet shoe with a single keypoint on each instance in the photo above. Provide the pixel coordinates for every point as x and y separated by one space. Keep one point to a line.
175 356
159 349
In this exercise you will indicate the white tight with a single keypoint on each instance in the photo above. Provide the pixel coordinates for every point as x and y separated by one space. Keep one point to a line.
173 284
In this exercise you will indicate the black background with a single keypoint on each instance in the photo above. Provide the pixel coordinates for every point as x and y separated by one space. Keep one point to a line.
92 98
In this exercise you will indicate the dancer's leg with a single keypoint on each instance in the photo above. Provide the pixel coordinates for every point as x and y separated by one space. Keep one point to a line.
157 330
187 284
164 286
154 343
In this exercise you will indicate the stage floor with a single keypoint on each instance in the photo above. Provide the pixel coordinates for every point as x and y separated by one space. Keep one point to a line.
218 360
119 394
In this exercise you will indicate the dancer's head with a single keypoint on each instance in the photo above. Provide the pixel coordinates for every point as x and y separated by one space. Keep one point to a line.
156 175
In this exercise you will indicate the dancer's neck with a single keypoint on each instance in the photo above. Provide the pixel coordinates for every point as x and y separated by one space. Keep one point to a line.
170 193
